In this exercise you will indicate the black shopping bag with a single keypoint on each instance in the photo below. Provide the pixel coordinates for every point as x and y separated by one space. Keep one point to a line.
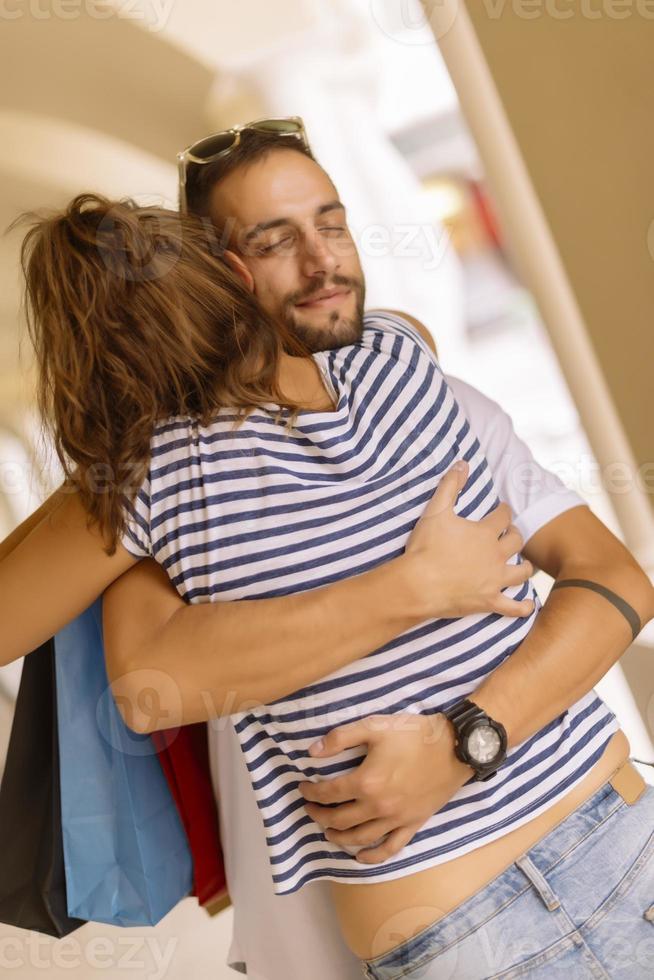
32 877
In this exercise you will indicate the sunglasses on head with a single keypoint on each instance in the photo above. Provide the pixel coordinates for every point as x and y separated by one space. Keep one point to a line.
220 144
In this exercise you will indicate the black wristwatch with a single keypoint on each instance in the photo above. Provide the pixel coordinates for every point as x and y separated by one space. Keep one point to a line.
480 740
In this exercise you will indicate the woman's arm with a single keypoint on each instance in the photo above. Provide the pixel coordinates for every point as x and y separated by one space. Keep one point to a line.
51 569
30 522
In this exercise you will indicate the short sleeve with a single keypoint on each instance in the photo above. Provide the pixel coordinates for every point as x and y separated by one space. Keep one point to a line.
136 535
535 494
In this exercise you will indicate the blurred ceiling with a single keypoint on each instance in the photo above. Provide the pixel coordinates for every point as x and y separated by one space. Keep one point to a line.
93 104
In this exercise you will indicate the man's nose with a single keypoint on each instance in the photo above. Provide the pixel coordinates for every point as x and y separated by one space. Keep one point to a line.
317 258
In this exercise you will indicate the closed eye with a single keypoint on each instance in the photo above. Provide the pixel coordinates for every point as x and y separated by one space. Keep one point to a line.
266 249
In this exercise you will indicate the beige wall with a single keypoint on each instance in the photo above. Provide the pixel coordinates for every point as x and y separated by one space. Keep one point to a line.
579 95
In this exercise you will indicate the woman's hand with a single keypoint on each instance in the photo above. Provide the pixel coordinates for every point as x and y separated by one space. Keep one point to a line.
409 773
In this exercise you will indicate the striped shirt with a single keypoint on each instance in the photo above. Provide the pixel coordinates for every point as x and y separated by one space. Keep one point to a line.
253 512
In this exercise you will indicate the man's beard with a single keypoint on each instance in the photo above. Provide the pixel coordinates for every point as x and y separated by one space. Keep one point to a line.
340 330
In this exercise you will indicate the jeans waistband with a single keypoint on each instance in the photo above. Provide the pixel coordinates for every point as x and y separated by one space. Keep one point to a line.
582 821
623 787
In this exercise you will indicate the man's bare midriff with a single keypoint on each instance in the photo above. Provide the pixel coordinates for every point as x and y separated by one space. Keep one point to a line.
376 917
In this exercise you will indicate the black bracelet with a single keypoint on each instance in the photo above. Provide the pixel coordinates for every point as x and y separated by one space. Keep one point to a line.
627 611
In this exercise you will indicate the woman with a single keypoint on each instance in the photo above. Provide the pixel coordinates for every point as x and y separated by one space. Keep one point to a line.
132 320
145 344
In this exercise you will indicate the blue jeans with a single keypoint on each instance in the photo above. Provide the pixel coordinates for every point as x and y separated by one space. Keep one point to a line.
579 904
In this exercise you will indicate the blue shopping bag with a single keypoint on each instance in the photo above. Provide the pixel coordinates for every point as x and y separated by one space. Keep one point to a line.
126 855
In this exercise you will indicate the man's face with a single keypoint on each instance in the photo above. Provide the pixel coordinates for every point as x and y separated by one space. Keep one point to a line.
284 219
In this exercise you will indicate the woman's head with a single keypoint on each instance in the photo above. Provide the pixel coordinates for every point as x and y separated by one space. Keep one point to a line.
135 317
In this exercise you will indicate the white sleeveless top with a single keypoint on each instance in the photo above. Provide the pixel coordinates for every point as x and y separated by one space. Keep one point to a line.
252 513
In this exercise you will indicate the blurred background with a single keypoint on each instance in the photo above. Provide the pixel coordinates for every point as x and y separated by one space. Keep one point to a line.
494 169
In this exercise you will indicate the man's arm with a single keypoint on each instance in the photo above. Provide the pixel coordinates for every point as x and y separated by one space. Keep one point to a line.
410 770
213 659
578 635
217 658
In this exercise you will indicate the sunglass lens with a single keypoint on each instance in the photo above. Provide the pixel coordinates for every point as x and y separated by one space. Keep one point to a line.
279 126
208 147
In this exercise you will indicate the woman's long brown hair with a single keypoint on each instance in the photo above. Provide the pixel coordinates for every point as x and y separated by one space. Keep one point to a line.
134 318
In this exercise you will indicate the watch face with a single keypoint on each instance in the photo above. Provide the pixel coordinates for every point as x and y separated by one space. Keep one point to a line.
483 744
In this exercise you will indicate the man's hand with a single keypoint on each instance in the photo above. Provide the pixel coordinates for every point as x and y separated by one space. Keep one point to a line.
409 773
458 567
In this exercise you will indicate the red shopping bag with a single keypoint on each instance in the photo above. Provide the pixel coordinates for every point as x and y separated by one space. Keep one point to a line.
184 759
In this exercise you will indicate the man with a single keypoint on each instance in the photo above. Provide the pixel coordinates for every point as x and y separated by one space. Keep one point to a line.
285 228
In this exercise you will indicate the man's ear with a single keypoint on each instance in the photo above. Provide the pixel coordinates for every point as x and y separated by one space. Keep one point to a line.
236 263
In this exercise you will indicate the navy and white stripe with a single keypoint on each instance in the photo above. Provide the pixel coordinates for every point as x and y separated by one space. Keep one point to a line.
253 512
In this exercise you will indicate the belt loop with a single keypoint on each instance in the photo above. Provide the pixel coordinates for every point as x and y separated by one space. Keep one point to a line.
628 782
530 870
